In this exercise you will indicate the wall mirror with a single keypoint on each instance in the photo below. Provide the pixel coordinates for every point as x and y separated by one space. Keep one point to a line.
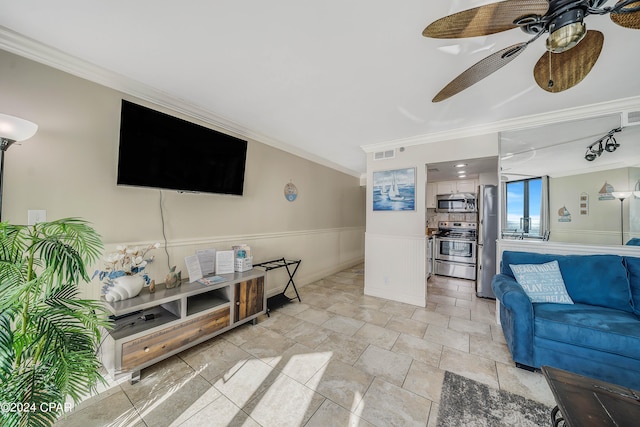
577 182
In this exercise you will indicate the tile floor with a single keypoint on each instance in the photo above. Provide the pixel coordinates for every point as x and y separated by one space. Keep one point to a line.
339 358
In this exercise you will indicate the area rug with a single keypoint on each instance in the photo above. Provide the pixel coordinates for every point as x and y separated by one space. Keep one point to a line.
465 402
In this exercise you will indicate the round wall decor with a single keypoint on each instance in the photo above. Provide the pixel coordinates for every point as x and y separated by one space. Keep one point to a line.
290 192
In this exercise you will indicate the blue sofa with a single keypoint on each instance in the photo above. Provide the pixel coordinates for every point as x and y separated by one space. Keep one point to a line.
597 336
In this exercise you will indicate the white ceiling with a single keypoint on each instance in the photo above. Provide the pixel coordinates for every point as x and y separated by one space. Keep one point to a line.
327 78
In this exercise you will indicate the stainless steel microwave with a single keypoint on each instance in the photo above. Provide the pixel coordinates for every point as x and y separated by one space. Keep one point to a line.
456 202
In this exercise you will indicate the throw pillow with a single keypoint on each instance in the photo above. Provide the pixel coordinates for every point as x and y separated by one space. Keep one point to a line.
542 282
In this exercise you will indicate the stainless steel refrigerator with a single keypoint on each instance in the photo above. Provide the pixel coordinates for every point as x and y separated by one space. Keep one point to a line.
487 236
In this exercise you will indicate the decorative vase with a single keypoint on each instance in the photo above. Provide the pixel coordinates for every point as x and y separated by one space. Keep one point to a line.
124 287
173 279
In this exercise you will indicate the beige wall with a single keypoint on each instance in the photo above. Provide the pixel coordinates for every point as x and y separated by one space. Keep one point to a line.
69 169
602 225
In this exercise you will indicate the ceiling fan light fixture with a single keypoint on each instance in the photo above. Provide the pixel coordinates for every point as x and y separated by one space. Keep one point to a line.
566 37
566 30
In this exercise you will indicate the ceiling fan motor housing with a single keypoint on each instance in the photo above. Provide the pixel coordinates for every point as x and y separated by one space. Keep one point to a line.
569 17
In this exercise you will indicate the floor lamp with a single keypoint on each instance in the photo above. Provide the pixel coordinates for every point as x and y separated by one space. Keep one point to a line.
12 129
621 195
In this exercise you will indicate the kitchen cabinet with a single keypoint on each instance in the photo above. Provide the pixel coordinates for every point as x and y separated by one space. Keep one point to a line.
431 193
446 187
467 186
461 186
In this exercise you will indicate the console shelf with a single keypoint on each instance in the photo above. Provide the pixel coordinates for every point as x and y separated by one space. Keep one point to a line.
207 300
153 326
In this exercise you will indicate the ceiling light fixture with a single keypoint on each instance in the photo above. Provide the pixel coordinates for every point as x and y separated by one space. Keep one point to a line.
12 129
607 143
566 31
460 165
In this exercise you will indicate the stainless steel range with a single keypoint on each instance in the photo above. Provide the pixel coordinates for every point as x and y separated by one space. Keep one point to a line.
455 249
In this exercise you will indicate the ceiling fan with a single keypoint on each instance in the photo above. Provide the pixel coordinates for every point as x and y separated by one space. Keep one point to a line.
572 50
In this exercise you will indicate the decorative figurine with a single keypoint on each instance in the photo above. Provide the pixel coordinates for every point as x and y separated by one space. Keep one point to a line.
152 286
173 279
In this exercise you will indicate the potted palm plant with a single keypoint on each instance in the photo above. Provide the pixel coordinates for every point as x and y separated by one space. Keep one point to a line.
48 334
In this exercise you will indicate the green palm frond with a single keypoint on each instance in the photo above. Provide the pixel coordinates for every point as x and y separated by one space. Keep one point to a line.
10 273
13 293
76 233
7 352
48 335
13 243
63 261
90 313
77 372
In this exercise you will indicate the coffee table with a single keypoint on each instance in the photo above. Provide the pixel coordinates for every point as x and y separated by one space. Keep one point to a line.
586 402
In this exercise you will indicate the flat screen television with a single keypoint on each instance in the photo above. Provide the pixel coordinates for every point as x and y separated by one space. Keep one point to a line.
161 151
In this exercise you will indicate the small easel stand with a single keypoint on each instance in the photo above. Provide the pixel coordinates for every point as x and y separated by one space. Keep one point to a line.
281 299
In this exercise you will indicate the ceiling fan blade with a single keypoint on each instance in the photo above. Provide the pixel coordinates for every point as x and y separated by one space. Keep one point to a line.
484 20
628 15
480 70
555 72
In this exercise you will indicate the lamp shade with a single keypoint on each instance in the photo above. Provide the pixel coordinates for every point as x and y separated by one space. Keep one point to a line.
16 129
621 194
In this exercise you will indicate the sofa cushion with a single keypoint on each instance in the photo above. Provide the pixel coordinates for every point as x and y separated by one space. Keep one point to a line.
597 328
633 266
590 279
542 282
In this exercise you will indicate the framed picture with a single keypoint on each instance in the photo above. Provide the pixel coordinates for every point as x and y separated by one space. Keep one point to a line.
605 192
394 190
584 204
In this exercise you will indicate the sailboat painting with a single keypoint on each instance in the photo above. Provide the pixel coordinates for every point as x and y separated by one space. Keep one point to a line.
394 190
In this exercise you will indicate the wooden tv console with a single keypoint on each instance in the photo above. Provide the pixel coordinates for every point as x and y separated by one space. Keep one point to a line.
154 326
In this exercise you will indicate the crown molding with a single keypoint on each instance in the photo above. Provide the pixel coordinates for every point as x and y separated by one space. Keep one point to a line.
31 49
547 118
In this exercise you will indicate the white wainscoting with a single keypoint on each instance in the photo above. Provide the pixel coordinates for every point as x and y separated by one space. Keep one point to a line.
589 237
395 268
323 252
559 249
